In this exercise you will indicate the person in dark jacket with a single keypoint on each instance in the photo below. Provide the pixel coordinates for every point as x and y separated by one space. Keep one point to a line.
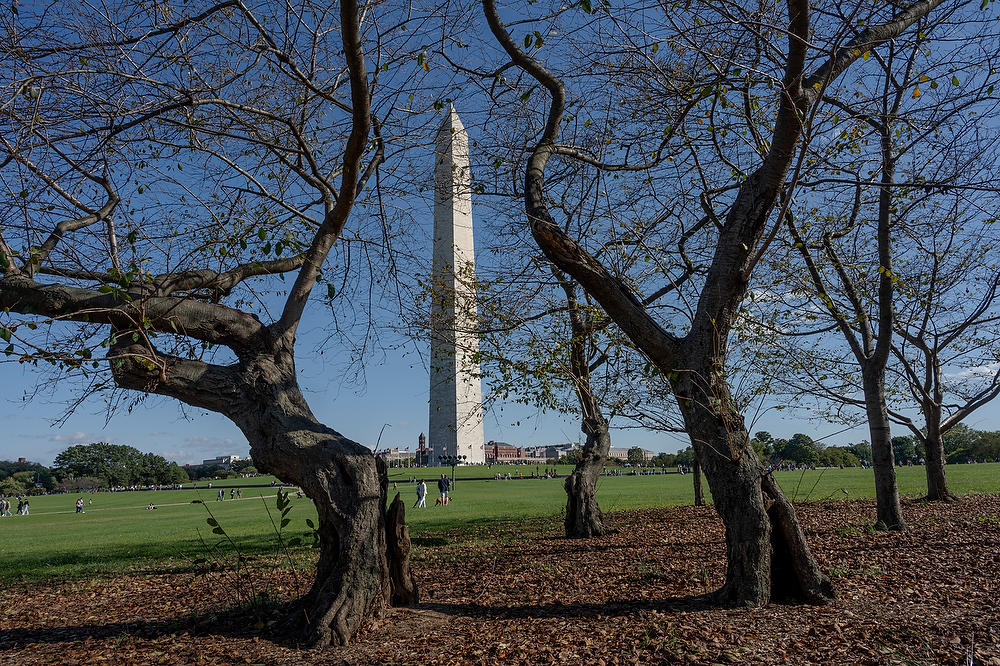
444 486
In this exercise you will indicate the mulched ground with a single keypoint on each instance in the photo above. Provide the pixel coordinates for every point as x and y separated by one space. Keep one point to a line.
519 594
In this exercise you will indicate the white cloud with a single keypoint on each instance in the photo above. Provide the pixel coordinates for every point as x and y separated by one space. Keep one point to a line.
74 438
977 372
206 442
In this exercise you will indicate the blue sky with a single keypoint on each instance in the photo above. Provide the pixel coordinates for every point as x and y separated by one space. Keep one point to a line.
395 393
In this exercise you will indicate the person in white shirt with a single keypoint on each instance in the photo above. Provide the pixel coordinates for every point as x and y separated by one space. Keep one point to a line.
421 495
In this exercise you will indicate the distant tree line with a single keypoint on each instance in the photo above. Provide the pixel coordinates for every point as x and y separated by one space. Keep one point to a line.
22 478
103 465
85 466
802 449
962 444
238 469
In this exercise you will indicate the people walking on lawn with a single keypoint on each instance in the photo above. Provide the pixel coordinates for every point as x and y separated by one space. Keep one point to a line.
239 493
421 495
444 486
79 506
24 507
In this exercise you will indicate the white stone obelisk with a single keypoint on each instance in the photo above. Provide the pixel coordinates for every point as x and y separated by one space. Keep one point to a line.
456 399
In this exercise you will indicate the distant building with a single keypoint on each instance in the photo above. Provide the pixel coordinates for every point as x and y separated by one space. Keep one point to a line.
393 457
423 454
557 451
536 454
225 462
622 454
500 452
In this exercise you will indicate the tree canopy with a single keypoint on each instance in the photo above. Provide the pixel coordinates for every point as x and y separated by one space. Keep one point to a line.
117 465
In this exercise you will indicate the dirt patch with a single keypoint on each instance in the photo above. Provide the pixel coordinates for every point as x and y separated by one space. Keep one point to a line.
517 593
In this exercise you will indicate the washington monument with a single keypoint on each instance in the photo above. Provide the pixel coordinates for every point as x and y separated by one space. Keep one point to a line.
456 401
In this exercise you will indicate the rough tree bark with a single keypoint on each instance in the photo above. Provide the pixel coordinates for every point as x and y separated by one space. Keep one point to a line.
767 555
583 515
934 467
584 518
404 587
934 458
695 364
889 512
258 390
699 492
353 577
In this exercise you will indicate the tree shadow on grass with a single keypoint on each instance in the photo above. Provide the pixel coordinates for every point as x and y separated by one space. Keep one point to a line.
147 558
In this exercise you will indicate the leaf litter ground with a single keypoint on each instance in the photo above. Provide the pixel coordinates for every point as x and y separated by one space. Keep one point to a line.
518 593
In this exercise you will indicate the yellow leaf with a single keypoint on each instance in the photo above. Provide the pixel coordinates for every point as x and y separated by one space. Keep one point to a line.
916 92
426 67
924 78
866 54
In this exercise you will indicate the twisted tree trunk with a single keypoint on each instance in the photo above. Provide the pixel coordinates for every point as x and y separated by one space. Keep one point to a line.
767 554
343 478
583 515
695 364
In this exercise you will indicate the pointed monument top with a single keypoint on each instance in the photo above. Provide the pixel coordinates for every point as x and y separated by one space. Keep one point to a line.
451 122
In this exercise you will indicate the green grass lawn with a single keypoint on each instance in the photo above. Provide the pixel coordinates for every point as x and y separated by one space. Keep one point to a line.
117 533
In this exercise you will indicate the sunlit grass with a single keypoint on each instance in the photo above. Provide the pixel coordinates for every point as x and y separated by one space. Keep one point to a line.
117 533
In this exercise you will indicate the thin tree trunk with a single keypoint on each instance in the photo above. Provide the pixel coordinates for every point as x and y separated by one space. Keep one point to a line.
934 462
583 515
889 512
699 492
